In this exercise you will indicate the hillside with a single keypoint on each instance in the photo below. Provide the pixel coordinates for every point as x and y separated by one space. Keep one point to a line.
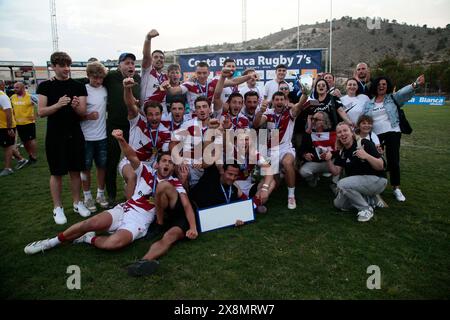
353 41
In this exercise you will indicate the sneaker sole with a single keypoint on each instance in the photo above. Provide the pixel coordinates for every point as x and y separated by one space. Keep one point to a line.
142 268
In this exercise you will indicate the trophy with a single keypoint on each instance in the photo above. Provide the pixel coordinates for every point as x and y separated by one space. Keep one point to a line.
306 83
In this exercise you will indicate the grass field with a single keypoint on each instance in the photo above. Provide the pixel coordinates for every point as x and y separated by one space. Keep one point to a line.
313 252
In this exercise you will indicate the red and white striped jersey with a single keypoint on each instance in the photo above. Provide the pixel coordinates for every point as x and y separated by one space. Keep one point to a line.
284 122
142 142
238 122
195 89
168 122
143 199
151 82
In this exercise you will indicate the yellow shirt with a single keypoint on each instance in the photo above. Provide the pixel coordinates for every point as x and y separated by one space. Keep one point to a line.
23 109
5 104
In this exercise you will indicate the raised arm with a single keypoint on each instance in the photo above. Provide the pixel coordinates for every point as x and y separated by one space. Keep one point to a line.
126 149
239 80
406 93
130 100
300 105
147 50
260 118
218 104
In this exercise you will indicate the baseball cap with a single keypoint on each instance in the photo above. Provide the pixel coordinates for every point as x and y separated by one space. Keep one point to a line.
125 55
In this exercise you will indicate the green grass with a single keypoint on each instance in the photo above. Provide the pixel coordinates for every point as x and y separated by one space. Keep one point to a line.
310 253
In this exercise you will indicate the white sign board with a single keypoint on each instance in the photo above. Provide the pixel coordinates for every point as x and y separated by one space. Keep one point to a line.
225 215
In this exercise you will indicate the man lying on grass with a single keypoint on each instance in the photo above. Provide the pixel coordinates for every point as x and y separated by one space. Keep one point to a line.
130 220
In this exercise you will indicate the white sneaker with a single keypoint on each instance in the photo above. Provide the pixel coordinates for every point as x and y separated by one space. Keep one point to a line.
90 204
399 195
59 216
37 246
365 215
291 203
85 238
81 209
101 200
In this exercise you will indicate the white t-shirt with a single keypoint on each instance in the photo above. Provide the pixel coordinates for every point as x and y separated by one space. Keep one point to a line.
381 123
354 106
373 137
271 87
95 130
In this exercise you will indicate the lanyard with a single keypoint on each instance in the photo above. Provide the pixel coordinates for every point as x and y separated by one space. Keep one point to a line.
278 119
159 77
200 89
154 142
227 198
171 122
154 184
235 121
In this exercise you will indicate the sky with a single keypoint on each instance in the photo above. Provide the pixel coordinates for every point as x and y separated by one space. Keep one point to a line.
104 29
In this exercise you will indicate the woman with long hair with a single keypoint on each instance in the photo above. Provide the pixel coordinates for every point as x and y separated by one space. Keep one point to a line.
386 124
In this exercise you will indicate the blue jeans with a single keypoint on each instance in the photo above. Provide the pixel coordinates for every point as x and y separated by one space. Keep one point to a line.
96 150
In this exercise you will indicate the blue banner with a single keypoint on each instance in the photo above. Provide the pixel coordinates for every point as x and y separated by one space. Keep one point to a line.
264 62
427 100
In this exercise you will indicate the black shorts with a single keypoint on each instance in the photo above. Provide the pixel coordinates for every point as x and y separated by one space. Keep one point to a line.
5 139
27 132
64 154
176 217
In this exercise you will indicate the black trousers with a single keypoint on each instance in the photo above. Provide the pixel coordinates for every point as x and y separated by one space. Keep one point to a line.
391 144
113 159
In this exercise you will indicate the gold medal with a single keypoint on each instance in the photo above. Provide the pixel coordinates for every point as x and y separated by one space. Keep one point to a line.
154 151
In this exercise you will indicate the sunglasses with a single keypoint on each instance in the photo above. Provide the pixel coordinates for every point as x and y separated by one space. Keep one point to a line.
284 88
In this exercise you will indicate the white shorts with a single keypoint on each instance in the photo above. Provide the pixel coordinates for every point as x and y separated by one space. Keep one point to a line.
277 154
131 220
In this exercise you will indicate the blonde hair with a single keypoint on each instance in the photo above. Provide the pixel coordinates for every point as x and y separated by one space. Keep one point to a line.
339 145
96 69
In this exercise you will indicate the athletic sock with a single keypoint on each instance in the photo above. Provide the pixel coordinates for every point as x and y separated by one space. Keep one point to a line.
56 240
291 192
100 192
87 195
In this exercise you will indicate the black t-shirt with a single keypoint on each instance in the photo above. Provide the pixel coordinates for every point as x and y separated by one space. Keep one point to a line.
65 122
208 191
355 166
330 106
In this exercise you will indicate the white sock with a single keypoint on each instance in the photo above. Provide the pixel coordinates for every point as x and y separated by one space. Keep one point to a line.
291 192
54 241
88 238
100 192
87 195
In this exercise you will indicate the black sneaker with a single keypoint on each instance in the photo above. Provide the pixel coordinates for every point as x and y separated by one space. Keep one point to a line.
31 161
143 268
154 230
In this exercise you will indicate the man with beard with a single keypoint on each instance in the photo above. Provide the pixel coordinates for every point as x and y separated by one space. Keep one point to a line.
148 137
230 111
127 221
281 118
201 86
151 74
